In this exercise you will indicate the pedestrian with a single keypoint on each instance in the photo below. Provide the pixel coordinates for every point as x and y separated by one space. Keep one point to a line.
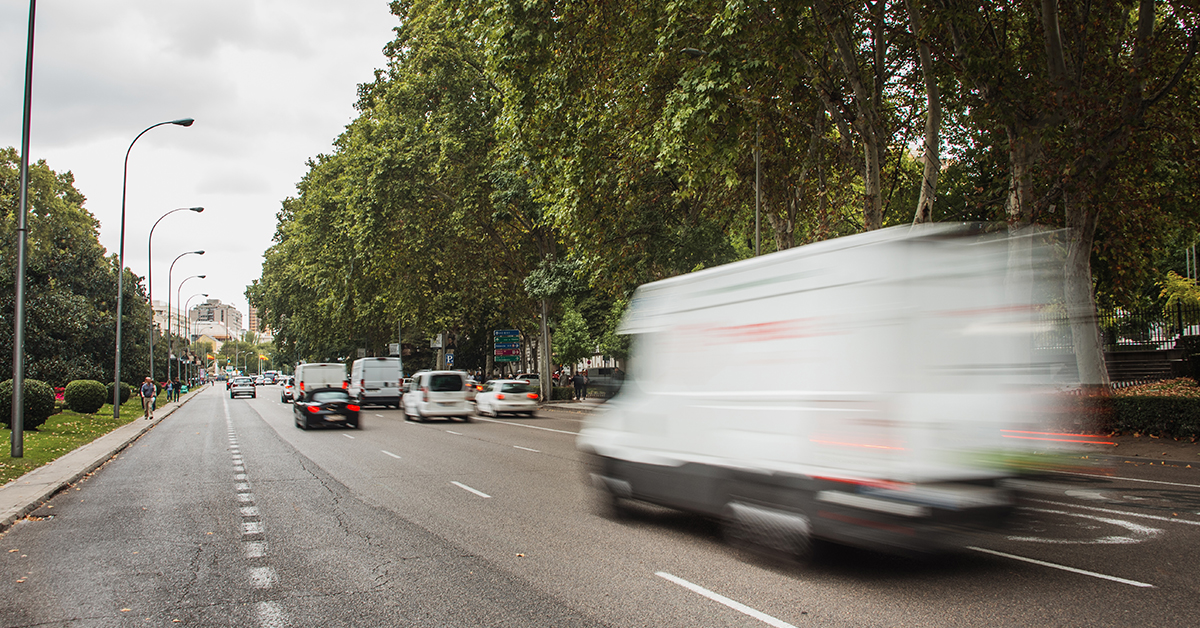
176 388
578 381
147 393
586 381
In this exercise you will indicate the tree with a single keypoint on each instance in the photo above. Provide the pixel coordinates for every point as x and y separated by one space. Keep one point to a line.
572 342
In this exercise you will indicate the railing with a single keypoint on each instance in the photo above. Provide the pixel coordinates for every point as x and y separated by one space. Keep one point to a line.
1124 329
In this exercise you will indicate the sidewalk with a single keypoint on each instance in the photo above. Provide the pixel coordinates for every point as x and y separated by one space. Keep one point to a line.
26 493
587 405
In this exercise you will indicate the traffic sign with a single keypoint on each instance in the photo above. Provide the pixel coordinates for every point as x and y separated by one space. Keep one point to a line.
507 339
507 345
507 358
506 332
450 358
508 352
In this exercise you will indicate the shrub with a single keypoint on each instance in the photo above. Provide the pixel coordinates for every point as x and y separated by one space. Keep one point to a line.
39 403
85 396
126 393
562 393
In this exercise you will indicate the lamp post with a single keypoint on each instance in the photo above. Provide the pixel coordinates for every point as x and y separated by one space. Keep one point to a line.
150 278
121 266
188 304
170 338
18 395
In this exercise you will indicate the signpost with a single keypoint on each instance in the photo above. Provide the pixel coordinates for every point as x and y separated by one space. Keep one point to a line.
506 345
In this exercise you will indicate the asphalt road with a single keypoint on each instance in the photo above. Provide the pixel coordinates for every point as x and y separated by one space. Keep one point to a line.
227 515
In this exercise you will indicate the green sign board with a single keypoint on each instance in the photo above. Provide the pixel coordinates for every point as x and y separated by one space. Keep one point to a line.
506 339
507 358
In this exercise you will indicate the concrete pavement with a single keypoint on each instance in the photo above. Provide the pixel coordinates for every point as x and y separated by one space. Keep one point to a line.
25 494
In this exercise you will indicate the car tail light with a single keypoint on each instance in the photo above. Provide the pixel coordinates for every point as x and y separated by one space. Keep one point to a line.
345 384
351 407
362 383
532 395
314 409
301 386
499 395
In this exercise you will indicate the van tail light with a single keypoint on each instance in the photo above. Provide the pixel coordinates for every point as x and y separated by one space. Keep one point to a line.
424 393
532 395
362 383
351 407
499 395
301 386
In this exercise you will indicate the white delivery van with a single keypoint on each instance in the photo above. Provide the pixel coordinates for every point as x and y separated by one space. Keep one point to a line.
376 381
874 390
318 375
437 394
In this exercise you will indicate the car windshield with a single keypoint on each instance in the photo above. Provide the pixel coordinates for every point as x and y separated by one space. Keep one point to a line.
517 387
325 396
445 383
243 380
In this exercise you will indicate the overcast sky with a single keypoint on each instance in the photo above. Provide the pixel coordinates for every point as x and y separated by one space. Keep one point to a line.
271 83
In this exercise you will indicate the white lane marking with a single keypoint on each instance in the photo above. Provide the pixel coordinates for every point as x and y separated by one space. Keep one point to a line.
379 415
467 488
1084 572
532 427
239 476
1119 512
348 436
239 468
453 432
270 615
1113 477
526 449
262 577
249 511
252 527
390 454
245 498
255 549
721 599
1144 532
242 486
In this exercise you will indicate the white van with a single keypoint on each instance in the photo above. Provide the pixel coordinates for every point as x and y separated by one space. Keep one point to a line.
318 375
437 394
874 390
376 381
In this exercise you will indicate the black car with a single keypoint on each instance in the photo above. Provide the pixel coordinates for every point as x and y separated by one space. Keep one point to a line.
325 406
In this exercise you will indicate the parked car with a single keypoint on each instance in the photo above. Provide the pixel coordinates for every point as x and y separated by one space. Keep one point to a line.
534 379
376 381
289 389
437 394
326 406
507 396
242 386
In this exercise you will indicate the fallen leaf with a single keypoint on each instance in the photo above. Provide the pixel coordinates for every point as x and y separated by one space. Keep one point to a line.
125 610
13 550
520 556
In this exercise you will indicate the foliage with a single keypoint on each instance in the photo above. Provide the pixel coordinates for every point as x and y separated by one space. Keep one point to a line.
1179 291
38 402
85 396
562 393
126 392
572 342
59 435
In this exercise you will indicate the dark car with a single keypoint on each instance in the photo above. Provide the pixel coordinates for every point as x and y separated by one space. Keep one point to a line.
325 406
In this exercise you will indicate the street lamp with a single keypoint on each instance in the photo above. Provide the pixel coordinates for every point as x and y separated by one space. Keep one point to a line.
188 304
17 417
121 267
170 338
150 278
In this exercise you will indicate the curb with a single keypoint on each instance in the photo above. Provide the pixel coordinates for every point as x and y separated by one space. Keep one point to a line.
27 493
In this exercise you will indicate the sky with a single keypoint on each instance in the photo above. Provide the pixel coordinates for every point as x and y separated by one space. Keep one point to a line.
270 83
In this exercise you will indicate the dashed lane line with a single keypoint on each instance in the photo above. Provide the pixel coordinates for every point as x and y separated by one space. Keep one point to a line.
390 454
721 599
1114 477
526 449
1132 583
1119 512
471 490
348 436
532 427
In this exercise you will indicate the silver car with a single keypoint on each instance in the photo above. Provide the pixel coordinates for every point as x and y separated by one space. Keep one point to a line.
242 386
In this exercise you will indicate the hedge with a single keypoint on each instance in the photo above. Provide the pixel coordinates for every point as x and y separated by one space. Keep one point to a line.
126 393
85 396
39 403
1168 408
562 393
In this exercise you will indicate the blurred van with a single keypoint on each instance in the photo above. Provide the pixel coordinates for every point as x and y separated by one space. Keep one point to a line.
316 376
876 390
437 394
376 381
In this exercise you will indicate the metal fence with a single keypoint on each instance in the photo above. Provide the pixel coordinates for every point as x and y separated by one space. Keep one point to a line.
1124 329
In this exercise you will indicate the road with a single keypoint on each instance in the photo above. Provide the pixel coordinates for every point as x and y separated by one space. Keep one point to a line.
227 515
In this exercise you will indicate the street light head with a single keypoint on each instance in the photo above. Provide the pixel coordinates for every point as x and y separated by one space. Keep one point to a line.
198 252
202 277
183 122
196 209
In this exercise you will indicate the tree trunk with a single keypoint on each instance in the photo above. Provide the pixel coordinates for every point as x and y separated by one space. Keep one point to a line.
933 121
1081 302
545 355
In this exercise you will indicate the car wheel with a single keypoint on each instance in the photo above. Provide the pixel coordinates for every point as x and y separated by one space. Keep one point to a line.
254 396
529 414
231 396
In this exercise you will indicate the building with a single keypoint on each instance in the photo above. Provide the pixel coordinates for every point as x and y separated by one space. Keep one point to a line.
264 334
218 320
179 322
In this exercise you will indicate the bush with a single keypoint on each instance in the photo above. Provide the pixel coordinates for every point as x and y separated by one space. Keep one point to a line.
39 403
562 393
126 393
1166 408
85 396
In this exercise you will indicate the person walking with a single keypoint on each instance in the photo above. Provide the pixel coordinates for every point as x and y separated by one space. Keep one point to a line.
176 388
578 380
147 393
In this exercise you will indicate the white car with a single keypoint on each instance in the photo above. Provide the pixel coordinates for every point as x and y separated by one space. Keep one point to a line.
287 393
437 394
507 396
